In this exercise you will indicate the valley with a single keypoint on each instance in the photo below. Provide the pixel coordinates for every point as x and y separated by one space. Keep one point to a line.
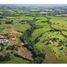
30 34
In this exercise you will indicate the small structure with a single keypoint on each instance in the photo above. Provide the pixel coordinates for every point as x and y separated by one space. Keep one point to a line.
1 36
4 42
10 39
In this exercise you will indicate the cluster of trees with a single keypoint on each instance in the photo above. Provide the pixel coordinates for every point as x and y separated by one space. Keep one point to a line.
6 21
9 22
4 56
37 55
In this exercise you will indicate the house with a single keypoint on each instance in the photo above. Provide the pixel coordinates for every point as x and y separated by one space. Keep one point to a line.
1 36
1 44
4 42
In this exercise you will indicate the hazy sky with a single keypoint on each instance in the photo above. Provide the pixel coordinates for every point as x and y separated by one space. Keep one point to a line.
33 1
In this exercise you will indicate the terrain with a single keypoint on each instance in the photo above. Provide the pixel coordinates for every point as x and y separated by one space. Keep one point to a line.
30 34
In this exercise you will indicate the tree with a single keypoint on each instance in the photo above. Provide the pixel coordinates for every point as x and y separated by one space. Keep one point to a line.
9 22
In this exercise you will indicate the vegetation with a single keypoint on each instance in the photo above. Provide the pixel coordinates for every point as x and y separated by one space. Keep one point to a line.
29 35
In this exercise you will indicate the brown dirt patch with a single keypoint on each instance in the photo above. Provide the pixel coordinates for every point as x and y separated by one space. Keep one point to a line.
24 52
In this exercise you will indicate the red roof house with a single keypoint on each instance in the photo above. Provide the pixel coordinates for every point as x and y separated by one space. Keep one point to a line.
1 36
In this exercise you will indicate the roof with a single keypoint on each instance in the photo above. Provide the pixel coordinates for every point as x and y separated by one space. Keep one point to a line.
1 36
5 44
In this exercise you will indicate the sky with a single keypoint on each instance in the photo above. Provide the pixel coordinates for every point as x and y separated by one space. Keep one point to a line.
33 1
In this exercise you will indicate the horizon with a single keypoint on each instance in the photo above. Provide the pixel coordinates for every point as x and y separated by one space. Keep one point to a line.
33 2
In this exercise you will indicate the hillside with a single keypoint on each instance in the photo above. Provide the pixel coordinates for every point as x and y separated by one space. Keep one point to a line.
33 35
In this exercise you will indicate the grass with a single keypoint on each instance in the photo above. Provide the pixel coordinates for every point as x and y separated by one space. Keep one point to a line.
45 44
58 55
59 23
15 60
